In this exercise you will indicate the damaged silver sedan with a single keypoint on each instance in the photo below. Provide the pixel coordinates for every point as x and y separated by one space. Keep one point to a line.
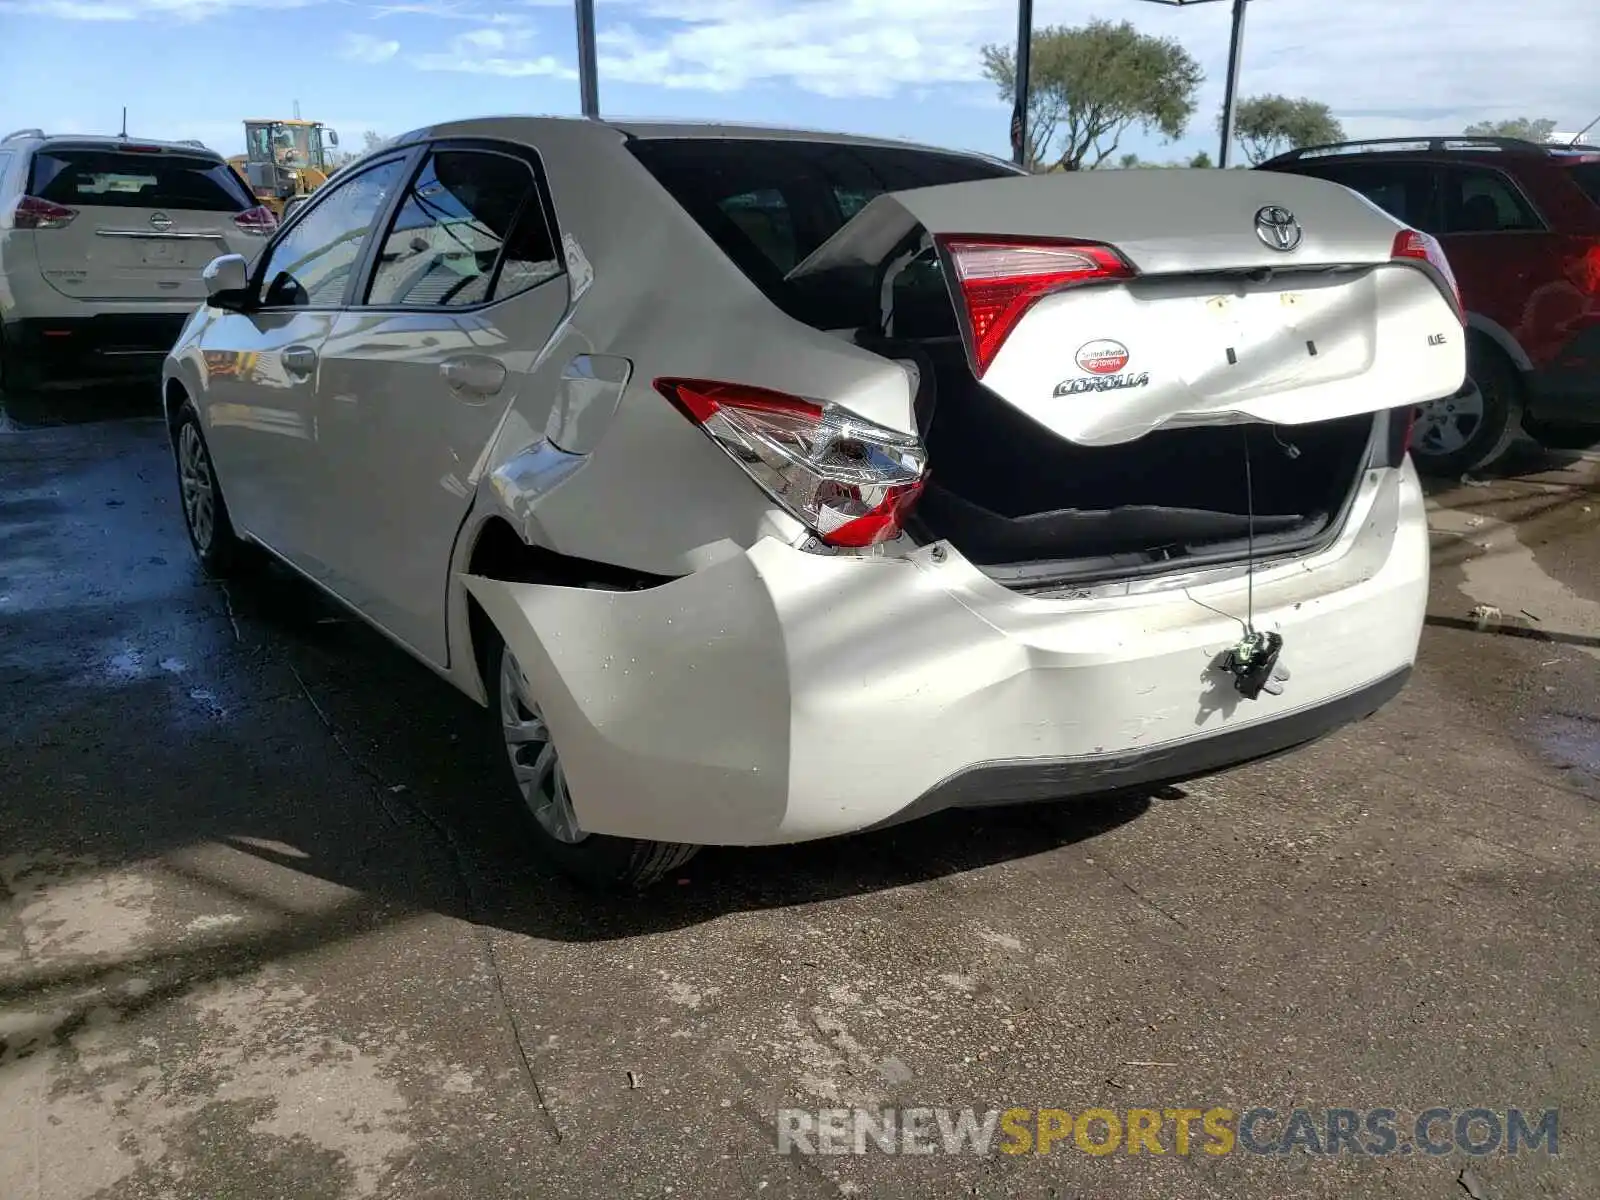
767 486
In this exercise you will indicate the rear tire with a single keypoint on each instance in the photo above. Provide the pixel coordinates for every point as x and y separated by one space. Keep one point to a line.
1559 436
1476 426
19 373
531 774
205 512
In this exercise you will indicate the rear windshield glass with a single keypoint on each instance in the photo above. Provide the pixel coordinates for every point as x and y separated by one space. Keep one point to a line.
768 204
1587 176
113 179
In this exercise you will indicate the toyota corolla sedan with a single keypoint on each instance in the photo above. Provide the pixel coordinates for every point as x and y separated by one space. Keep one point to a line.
767 485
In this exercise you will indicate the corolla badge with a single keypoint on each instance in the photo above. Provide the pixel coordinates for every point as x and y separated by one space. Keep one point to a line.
1101 383
1277 228
1102 357
160 222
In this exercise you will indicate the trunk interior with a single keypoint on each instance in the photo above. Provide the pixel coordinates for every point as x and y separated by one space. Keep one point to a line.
1032 509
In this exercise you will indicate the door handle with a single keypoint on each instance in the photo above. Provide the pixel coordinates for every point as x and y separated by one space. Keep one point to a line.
476 374
301 360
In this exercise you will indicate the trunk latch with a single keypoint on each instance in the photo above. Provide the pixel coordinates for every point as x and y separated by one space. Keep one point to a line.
1253 663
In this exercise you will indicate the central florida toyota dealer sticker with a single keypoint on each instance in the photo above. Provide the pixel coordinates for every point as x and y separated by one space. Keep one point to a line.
1102 356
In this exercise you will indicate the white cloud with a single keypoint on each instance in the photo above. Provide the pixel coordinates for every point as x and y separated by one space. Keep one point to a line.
830 47
1446 65
493 51
137 10
364 48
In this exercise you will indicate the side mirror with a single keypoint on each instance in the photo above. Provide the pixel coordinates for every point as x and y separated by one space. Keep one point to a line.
227 280
333 138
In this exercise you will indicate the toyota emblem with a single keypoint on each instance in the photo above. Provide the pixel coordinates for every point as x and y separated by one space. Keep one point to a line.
1277 228
160 222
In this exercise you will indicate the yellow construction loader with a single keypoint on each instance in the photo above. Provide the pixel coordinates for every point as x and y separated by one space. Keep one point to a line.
285 161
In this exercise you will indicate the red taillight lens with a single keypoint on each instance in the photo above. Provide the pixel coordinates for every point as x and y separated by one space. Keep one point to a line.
850 480
1584 267
34 213
1002 278
1420 247
257 221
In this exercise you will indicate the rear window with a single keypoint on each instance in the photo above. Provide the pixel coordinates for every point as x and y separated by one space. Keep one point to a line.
768 204
1587 176
117 179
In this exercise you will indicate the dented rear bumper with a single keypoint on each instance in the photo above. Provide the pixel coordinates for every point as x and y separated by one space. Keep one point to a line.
781 696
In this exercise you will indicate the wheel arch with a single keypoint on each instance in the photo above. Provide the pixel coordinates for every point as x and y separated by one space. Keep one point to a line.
1483 329
173 395
494 549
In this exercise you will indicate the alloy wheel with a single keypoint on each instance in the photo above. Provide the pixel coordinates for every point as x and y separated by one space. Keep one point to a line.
196 483
534 762
1445 426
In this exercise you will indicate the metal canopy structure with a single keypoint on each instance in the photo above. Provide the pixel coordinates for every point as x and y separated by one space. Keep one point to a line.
589 82
1019 112
1230 93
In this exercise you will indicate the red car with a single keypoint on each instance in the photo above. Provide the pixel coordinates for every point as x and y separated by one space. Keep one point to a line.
1520 224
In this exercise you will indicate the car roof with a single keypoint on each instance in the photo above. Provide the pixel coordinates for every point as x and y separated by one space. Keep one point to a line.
39 140
513 126
1452 147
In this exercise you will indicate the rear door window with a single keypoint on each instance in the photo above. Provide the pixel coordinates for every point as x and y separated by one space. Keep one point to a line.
1479 200
1587 176
1403 190
310 265
472 227
769 203
120 179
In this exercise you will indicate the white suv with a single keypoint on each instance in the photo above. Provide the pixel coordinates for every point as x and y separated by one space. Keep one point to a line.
101 244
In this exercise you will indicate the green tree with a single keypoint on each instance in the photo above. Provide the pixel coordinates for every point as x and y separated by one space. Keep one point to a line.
1533 129
1269 125
1202 162
1089 85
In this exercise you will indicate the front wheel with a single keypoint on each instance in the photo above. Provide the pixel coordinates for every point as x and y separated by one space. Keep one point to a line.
533 774
205 513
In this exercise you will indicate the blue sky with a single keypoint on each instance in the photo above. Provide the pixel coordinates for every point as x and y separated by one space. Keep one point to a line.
907 68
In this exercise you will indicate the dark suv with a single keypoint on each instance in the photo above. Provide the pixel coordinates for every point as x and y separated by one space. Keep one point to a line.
1520 224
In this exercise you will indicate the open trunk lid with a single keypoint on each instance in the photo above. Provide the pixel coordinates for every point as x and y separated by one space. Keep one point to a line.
1105 305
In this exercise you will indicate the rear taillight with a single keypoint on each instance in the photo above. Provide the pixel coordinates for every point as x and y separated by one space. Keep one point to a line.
34 213
1002 278
851 481
1417 246
1584 266
257 221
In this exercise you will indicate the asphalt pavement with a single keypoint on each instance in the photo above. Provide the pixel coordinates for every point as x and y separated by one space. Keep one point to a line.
267 930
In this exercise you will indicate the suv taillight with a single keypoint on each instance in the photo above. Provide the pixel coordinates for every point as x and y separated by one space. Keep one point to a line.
1417 246
257 221
1583 268
1002 278
850 480
34 213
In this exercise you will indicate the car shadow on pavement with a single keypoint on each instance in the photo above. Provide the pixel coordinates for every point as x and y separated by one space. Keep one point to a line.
1523 460
76 404
324 756
429 753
